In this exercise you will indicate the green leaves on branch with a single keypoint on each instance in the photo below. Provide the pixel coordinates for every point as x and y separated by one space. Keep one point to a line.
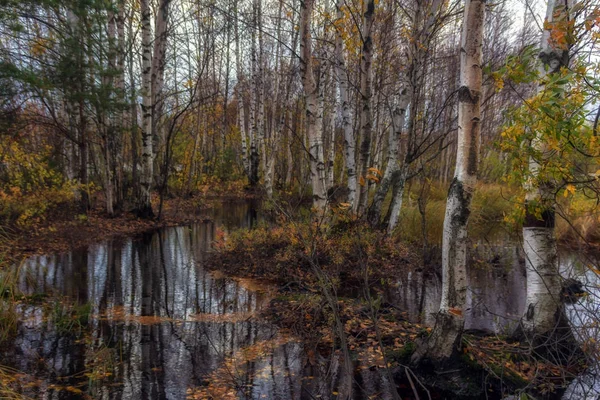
550 140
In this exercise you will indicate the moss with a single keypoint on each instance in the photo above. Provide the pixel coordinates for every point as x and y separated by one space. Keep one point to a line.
402 355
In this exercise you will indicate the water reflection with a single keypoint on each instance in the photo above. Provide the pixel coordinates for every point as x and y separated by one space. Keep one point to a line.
495 296
235 214
584 316
162 327
496 300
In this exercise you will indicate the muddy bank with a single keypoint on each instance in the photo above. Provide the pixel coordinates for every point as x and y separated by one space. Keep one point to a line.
65 228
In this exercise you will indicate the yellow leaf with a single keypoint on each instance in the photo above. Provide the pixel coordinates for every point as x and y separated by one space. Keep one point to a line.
569 189
73 389
361 181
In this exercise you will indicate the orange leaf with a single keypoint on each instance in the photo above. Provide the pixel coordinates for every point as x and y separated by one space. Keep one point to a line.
456 311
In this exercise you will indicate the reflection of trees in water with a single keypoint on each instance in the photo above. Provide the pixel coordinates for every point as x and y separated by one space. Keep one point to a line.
235 215
584 315
156 275
495 295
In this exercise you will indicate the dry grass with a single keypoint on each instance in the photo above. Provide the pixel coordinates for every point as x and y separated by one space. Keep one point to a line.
491 202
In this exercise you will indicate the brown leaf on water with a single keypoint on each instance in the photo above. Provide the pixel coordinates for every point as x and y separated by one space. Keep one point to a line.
456 311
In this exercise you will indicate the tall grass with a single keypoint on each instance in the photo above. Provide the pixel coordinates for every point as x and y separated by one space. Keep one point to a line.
578 215
8 320
8 292
490 204
8 384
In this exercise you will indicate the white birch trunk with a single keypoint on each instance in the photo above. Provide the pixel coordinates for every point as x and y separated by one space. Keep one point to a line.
242 126
398 183
331 152
445 338
391 176
289 157
158 68
254 101
417 52
344 111
543 279
110 126
120 118
272 142
239 94
144 206
260 118
366 117
314 118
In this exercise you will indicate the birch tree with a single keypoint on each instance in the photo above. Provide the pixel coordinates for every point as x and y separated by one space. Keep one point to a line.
426 19
366 115
445 338
144 205
254 105
158 71
543 306
314 117
153 66
344 107
239 92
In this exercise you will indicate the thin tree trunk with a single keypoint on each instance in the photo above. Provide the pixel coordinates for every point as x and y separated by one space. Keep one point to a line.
133 122
254 103
289 157
398 183
366 117
144 205
226 78
158 75
412 81
109 127
272 142
344 110
398 120
120 118
239 93
260 118
314 119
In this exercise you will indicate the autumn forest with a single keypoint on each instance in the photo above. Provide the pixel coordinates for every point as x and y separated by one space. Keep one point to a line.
299 199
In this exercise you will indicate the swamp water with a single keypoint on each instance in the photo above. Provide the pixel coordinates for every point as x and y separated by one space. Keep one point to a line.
159 326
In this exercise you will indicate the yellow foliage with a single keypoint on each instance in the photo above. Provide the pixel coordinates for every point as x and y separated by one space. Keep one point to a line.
29 186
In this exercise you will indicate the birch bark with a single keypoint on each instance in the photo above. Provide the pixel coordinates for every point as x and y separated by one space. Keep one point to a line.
144 206
239 90
314 119
366 117
344 109
543 279
445 338
424 22
254 102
